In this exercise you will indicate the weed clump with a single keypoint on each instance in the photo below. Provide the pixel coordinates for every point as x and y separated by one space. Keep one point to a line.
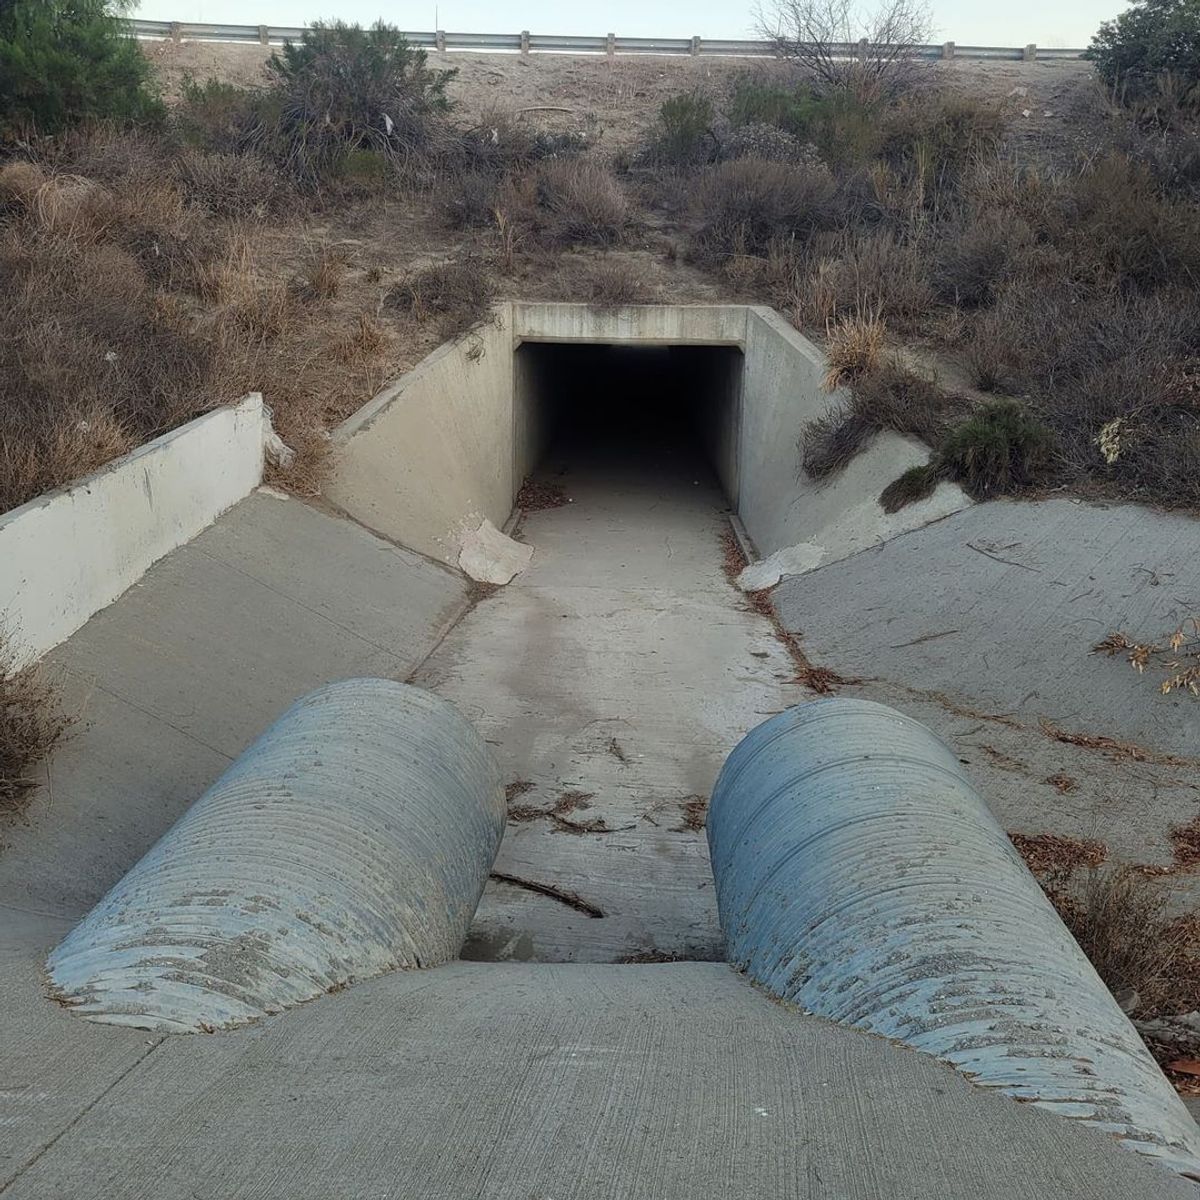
32 722
457 295
998 450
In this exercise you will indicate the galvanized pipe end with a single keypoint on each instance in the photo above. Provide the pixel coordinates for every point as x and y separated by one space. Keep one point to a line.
354 837
861 877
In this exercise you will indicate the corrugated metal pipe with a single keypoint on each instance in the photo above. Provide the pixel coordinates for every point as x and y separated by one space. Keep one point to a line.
861 877
354 837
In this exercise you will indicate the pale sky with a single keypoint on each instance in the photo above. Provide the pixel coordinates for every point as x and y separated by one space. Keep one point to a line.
968 22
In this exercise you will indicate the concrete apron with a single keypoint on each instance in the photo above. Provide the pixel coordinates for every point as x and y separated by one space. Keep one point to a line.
612 678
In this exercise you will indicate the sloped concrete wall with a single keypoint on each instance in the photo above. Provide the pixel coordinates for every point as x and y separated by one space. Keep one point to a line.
431 455
779 504
70 553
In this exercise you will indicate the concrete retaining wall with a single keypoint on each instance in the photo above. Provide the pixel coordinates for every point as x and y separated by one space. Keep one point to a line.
779 504
431 455
70 553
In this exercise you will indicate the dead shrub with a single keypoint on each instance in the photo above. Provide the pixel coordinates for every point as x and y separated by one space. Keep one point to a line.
231 185
579 201
907 401
831 441
610 283
322 276
469 200
853 348
878 271
457 295
1119 918
892 396
32 722
744 205
971 257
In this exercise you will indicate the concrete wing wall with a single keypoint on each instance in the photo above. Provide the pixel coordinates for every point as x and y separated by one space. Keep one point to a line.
779 504
70 553
432 454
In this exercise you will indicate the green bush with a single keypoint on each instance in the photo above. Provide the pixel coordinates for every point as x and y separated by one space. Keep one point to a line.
66 61
223 118
845 128
343 89
1000 448
1153 38
683 135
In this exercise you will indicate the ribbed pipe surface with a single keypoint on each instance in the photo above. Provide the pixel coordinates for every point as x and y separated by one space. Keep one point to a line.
354 837
860 876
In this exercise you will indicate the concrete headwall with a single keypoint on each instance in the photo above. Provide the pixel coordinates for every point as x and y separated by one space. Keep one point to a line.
432 454
779 504
655 324
70 553
449 443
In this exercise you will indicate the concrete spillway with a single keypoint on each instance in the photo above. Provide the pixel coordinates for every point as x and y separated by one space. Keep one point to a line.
610 679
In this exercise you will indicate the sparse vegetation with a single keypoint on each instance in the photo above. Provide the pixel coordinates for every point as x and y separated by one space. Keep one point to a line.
32 722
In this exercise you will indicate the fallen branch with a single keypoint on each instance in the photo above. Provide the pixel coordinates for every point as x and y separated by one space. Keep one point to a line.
570 899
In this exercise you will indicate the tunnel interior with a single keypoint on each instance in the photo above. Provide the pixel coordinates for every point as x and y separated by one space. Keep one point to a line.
629 414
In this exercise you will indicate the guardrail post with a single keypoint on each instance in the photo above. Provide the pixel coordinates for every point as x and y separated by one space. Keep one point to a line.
948 50
524 41
695 46
610 45
264 35
1030 52
176 31
439 40
863 49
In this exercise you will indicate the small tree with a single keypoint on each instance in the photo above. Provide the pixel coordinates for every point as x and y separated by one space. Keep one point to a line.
1155 38
344 89
63 61
839 44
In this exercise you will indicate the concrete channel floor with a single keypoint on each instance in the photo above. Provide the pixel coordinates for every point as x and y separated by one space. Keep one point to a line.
479 1079
616 673
982 626
522 1081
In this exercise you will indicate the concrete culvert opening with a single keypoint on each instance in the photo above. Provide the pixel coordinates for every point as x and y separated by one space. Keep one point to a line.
629 418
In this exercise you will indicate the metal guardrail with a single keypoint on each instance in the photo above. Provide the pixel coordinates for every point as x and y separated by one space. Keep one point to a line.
538 43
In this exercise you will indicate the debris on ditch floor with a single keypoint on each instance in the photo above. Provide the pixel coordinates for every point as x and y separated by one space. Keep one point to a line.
1062 783
562 895
822 680
1052 854
1185 843
535 496
694 809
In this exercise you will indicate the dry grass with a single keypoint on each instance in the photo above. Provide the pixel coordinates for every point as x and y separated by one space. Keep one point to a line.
1120 920
455 295
32 722
853 349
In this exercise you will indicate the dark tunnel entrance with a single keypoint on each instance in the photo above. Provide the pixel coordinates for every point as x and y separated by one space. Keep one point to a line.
629 415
